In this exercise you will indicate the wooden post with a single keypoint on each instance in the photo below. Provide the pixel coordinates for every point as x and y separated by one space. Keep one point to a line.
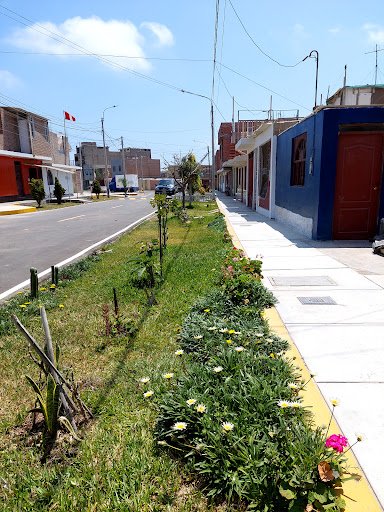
48 341
34 283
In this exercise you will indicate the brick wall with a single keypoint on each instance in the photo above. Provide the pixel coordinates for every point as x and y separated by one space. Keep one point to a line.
40 140
9 134
151 167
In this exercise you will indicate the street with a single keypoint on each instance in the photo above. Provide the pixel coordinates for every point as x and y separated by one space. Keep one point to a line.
42 239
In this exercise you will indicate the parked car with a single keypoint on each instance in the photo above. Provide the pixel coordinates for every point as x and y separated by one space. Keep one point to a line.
166 186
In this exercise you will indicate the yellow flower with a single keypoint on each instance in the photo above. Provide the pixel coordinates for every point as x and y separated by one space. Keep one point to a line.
228 341
65 296
168 375
211 328
42 289
22 305
231 331
227 426
272 355
295 405
26 303
19 292
61 305
178 329
53 286
262 314
359 438
198 337
207 310
180 425
335 402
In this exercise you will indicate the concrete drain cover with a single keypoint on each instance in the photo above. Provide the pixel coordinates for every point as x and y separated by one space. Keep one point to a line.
302 281
317 301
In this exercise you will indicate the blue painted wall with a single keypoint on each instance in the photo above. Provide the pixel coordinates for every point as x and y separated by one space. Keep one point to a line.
301 200
315 199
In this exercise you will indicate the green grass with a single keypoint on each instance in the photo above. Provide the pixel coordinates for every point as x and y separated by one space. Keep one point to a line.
117 466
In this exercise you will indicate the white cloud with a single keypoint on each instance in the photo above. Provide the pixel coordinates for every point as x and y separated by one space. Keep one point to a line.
163 34
334 30
299 31
8 79
111 37
375 33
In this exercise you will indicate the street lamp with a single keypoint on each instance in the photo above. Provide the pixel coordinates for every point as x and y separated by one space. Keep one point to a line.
212 134
105 149
315 56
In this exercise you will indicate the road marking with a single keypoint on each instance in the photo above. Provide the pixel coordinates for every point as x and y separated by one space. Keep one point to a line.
70 218
76 256
26 229
120 205
132 198
143 198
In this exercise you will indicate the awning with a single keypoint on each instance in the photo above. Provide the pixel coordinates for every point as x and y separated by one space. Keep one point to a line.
70 171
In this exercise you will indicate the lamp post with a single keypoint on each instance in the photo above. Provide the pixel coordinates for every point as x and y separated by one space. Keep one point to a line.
105 150
315 56
212 135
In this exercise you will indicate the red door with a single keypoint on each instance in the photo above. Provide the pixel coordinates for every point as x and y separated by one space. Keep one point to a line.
250 179
358 182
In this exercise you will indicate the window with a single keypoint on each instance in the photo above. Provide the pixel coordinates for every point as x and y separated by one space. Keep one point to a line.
299 151
32 127
49 177
46 132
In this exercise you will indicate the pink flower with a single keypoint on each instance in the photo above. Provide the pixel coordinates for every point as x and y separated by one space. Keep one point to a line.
230 268
235 259
136 314
337 442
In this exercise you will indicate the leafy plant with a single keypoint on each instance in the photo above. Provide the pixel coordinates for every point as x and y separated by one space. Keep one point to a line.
96 188
49 405
146 272
58 191
37 190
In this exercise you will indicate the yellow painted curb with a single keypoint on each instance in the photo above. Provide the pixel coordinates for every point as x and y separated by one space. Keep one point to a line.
25 209
358 494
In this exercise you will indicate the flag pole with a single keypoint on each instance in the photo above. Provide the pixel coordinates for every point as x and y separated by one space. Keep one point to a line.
65 142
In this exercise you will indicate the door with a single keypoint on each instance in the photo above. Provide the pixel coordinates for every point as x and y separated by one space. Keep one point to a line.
357 188
250 179
19 180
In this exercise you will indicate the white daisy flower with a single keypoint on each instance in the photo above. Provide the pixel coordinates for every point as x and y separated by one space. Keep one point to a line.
168 375
144 380
227 426
283 404
180 425
218 369
148 394
179 352
239 349
201 408
191 401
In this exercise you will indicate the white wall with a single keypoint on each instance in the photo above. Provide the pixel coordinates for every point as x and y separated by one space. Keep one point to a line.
65 179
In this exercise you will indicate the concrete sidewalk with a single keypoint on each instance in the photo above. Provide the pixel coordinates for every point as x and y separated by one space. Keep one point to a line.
341 343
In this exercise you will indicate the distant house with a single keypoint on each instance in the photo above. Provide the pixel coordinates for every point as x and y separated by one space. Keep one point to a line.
329 173
358 95
29 150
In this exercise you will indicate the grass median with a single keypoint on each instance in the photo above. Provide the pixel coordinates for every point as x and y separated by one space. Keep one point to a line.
116 466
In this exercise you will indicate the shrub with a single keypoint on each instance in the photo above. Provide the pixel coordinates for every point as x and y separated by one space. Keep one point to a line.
58 191
96 188
37 190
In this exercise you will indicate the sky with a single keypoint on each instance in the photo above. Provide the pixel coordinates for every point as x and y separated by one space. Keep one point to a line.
144 53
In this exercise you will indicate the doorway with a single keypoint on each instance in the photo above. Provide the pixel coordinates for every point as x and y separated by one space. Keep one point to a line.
357 188
250 179
19 180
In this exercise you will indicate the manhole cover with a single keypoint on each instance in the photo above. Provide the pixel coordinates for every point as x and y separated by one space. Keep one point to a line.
317 301
302 281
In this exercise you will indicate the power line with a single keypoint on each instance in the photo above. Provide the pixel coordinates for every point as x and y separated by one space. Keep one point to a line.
258 47
215 47
264 87
104 55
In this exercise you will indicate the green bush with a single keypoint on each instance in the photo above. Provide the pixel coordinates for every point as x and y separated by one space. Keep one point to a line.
58 191
96 188
37 190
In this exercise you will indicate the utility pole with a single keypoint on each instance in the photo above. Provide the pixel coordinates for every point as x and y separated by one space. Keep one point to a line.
213 151
105 158
105 149
123 157
141 170
376 67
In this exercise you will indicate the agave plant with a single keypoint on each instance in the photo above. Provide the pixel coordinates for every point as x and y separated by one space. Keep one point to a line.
49 403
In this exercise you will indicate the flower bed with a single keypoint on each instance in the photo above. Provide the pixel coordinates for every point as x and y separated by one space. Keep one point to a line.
236 412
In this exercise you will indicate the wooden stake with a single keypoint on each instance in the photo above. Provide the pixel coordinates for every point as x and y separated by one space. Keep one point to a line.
63 395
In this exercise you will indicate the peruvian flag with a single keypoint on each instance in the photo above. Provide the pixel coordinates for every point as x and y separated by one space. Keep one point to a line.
69 117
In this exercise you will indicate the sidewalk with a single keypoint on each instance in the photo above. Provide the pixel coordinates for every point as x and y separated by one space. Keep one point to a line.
341 343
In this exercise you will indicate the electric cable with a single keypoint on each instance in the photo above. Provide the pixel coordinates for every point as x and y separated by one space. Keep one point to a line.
258 47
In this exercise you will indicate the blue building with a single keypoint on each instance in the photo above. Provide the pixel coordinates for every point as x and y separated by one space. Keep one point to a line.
329 173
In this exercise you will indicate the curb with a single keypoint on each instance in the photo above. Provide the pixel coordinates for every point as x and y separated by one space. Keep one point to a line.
77 256
358 494
21 209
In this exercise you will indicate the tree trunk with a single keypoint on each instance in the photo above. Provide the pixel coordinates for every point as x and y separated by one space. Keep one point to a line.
190 195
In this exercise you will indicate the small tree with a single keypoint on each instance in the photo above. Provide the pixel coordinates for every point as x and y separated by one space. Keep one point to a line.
185 171
37 190
124 182
58 191
96 188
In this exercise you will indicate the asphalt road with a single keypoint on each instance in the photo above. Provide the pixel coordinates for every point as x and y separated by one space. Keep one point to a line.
43 239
